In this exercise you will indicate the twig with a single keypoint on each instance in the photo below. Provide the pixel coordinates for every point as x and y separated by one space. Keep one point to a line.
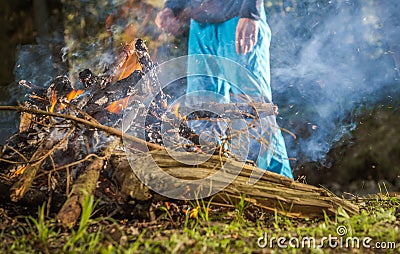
17 152
86 115
68 182
12 162
289 132
71 164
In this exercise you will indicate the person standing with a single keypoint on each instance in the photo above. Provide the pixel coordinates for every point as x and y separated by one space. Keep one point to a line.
236 30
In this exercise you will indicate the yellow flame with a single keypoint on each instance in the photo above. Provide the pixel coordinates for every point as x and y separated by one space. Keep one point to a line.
177 114
176 110
116 107
53 101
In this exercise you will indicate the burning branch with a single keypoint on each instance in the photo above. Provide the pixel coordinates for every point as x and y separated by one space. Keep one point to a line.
253 110
43 152
117 72
107 129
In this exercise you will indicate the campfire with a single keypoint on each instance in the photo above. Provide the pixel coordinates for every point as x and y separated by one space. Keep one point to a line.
70 145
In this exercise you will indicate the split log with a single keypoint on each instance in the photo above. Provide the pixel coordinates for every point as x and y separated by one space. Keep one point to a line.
272 192
82 188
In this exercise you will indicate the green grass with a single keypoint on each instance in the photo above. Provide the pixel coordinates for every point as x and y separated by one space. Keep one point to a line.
202 228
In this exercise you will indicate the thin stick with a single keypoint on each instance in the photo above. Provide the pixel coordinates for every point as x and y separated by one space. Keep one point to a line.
12 162
71 164
289 132
68 182
17 152
108 129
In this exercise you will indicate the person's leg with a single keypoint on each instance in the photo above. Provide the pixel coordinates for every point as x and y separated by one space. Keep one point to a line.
267 146
203 43
276 149
274 157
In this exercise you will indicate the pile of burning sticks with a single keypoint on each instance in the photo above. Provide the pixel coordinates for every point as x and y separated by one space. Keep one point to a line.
69 141
67 136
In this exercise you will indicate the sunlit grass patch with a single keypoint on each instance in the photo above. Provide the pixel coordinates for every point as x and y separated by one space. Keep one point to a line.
199 227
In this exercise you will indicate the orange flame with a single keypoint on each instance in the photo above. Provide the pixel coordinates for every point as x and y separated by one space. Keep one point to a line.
18 172
129 67
73 94
70 96
116 107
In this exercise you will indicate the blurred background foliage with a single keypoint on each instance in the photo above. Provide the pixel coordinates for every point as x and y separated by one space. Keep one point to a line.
335 72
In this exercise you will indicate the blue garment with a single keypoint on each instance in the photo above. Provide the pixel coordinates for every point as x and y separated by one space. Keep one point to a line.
219 40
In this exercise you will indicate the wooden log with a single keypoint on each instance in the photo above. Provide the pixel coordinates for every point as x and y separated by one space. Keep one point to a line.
129 185
272 192
82 188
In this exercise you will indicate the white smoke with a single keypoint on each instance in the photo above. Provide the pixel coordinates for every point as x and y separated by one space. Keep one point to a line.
329 61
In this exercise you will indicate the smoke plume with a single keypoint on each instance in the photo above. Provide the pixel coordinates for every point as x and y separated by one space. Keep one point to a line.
329 61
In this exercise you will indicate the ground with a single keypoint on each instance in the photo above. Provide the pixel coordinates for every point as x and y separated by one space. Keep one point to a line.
200 227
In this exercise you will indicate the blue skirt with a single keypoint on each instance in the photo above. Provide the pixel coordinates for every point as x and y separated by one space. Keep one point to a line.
219 40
